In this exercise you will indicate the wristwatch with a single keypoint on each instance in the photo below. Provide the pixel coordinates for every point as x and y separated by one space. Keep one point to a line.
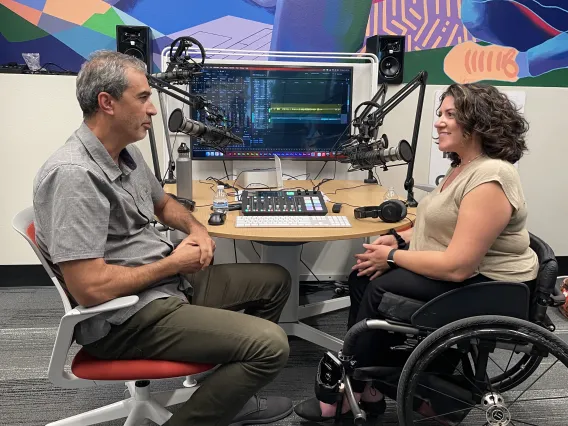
390 259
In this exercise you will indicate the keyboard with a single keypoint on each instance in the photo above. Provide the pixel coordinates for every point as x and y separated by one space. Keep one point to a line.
292 222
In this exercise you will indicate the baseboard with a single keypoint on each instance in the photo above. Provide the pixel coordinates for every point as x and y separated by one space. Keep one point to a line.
35 275
23 276
323 277
562 265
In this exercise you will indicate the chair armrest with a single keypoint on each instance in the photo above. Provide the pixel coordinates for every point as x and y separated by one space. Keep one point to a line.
111 305
486 298
56 372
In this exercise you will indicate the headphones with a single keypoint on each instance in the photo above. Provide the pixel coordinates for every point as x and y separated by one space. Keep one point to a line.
389 211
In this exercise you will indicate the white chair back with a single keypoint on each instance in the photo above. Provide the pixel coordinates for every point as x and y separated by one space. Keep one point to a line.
23 223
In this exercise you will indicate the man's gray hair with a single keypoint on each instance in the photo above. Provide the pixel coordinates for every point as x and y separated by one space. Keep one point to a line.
105 71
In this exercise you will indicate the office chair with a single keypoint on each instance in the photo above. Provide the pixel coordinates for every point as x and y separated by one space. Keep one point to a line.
88 371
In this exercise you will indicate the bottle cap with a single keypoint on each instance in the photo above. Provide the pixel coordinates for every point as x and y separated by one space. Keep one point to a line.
183 149
220 186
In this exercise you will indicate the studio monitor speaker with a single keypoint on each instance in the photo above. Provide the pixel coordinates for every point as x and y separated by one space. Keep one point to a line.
135 41
390 51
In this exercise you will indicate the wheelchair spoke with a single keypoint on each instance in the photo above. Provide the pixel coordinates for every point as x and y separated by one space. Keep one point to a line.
537 379
507 367
442 415
469 405
465 377
498 366
521 422
542 399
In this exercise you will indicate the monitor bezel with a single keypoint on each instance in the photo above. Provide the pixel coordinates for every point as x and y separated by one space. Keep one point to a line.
281 64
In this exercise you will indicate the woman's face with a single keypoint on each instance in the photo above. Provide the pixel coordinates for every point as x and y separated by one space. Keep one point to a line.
450 133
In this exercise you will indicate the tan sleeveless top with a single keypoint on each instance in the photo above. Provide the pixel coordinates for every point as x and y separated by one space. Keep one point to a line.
510 258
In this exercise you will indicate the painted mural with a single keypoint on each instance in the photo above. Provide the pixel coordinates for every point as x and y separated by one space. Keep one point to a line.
512 42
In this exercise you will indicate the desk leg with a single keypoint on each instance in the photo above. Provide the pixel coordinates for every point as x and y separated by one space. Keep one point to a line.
288 256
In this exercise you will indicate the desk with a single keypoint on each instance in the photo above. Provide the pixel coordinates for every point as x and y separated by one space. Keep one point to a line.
282 245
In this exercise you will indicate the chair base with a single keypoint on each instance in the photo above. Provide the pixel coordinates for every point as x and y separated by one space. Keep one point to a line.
141 405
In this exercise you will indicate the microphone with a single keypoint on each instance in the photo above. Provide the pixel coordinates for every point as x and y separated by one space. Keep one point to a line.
365 157
210 136
175 76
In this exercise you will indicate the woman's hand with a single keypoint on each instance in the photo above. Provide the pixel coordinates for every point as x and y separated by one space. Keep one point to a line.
374 261
385 240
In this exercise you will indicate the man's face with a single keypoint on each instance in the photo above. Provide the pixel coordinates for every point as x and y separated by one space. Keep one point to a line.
134 110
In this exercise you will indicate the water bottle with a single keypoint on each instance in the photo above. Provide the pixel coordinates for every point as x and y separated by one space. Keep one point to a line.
183 171
390 194
220 200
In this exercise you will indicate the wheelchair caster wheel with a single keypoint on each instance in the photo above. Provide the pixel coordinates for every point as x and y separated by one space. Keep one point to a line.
340 291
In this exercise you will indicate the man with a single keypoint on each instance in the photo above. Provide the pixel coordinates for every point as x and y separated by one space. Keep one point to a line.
94 201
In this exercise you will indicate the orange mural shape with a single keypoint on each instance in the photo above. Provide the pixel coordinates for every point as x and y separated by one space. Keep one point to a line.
28 13
75 11
469 62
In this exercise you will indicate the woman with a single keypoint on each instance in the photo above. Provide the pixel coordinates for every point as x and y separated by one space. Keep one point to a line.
471 228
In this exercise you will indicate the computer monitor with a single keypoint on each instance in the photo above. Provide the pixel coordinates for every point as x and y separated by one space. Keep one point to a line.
295 112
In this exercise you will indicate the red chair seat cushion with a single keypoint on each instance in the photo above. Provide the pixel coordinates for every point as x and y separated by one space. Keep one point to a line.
88 367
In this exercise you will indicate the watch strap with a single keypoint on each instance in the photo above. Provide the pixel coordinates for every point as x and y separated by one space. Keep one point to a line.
390 259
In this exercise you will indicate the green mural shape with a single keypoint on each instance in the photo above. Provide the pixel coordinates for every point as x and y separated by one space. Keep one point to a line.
432 61
16 29
104 23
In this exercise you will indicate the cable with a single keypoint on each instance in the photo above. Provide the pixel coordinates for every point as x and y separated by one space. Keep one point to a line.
304 263
296 177
226 172
58 66
349 187
377 175
254 249
252 170
235 247
322 167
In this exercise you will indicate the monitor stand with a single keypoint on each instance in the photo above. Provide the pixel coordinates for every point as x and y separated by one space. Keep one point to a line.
259 175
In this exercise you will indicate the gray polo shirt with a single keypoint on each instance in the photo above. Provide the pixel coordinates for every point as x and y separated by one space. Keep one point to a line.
86 206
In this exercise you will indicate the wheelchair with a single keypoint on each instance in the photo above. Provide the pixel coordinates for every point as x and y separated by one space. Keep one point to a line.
476 355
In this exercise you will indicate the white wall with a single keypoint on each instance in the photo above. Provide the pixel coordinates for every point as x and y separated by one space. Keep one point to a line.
38 113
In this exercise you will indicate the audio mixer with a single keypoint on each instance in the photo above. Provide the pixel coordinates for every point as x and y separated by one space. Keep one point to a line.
299 202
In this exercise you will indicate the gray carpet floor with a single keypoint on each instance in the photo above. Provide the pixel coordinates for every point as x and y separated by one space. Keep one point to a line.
28 322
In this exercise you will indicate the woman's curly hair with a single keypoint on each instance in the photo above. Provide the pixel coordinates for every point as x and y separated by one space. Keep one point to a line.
482 109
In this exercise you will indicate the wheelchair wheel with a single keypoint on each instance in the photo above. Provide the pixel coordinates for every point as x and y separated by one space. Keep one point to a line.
485 371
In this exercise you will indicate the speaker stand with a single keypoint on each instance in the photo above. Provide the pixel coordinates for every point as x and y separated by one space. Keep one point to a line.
370 177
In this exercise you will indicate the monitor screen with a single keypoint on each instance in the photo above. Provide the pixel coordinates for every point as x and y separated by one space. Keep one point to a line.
295 112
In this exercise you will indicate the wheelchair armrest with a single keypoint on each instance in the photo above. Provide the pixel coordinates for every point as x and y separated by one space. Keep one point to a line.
486 298
557 298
